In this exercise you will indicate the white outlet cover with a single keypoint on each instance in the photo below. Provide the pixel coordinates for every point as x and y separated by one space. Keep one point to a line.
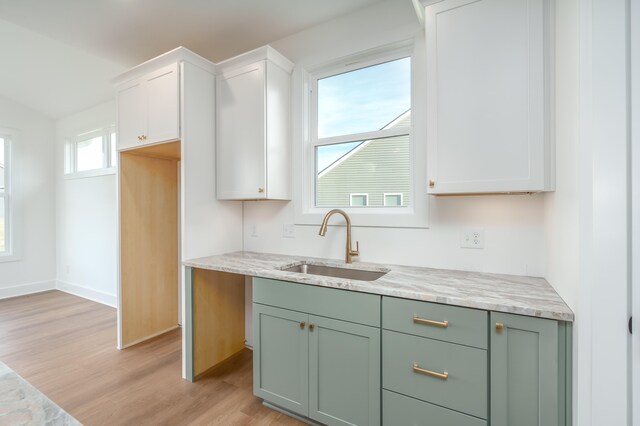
288 231
472 238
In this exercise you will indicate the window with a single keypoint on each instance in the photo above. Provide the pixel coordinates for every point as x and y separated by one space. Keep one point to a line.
5 195
359 200
361 131
395 200
358 135
91 154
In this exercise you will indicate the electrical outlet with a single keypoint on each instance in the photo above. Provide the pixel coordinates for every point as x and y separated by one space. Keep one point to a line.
254 231
288 231
472 238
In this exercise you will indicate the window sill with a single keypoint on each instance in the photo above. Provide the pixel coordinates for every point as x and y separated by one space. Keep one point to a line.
382 217
91 173
9 258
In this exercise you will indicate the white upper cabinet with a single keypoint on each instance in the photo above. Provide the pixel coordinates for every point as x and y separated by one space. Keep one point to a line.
149 108
488 96
252 119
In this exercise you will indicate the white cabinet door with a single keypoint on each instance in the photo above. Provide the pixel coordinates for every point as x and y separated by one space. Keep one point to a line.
241 141
149 109
163 105
486 103
131 115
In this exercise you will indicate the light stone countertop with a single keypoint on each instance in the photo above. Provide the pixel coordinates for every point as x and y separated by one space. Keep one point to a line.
493 292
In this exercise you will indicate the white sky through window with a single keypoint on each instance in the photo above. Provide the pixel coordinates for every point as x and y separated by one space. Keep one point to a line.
363 100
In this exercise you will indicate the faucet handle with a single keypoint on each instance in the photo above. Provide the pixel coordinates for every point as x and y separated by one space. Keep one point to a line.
357 250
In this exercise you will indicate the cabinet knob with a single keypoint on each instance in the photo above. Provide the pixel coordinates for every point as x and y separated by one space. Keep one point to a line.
144 137
311 327
499 327
139 138
261 190
432 183
302 324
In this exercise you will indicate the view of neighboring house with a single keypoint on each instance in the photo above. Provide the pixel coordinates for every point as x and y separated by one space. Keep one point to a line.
375 173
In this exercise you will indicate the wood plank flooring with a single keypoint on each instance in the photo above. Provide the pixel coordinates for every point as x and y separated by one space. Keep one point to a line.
66 347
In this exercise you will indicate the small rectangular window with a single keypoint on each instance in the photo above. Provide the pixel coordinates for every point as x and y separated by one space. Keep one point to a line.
91 153
394 200
359 200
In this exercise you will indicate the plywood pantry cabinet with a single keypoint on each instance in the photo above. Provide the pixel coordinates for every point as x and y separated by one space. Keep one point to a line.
252 115
166 200
489 96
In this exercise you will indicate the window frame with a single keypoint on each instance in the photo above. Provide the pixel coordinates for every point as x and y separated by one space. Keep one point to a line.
109 162
7 196
358 194
304 124
384 198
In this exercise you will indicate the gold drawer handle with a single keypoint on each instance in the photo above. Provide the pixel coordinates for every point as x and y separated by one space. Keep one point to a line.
418 320
443 376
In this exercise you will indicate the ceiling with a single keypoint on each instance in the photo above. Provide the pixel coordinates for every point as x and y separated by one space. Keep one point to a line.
60 56
128 32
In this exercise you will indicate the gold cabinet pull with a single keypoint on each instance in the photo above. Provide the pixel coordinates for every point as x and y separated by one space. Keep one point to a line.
139 138
499 327
432 183
311 327
302 324
417 369
261 190
442 324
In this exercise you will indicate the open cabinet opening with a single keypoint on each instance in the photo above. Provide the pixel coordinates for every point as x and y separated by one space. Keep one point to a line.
149 188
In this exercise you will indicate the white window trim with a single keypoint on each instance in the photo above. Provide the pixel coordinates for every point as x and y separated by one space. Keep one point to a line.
358 194
384 198
108 165
12 218
305 211
7 196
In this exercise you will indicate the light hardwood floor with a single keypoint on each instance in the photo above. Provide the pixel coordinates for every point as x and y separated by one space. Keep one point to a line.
66 347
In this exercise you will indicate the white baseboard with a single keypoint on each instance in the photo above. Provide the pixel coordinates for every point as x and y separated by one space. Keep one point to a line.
88 293
24 289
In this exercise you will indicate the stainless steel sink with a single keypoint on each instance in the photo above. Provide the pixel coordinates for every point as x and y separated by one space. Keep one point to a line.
336 271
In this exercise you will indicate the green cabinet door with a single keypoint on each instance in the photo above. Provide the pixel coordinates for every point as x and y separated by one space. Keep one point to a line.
526 378
281 357
344 372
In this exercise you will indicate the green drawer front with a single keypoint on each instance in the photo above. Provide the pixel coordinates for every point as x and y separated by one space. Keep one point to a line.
465 326
400 410
464 390
346 305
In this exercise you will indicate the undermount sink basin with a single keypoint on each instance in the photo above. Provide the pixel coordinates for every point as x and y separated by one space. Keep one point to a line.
336 271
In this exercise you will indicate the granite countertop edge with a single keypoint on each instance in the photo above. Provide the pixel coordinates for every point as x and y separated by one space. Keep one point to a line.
529 296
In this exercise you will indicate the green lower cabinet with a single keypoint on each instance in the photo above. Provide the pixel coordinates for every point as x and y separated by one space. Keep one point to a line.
344 372
529 371
321 368
401 410
281 357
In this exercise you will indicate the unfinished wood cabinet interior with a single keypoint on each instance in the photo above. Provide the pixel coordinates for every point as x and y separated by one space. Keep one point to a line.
218 318
149 243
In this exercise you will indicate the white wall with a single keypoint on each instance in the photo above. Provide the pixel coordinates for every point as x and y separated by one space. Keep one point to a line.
86 217
513 225
561 209
34 201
